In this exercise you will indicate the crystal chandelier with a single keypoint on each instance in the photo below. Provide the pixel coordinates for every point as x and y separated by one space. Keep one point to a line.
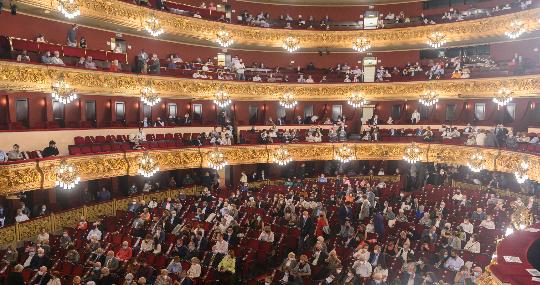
429 99
476 162
344 154
521 173
149 96
62 92
291 44
516 29
66 176
287 101
282 156
222 99
153 27
356 100
412 153
503 98
147 165
436 40
70 8
224 38
216 159
361 44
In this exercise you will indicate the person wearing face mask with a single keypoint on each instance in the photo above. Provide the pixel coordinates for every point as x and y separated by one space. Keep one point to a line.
42 277
409 276
267 235
376 257
301 270
65 240
307 228
125 252
128 279
377 279
39 260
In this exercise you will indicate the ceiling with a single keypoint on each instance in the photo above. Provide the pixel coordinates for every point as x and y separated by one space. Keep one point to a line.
328 2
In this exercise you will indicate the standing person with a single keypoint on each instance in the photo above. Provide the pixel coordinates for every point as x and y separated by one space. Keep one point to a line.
306 229
15 276
72 36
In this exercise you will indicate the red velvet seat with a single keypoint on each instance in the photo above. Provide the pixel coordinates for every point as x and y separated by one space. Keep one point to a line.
100 139
74 150
106 148
125 146
96 148
160 137
169 136
116 147
162 144
150 137
85 149
79 140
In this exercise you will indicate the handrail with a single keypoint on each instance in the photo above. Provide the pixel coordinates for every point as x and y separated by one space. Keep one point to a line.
41 174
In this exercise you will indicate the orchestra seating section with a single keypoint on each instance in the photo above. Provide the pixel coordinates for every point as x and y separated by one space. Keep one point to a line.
257 258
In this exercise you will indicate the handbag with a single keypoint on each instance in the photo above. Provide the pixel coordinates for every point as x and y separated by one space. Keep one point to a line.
326 230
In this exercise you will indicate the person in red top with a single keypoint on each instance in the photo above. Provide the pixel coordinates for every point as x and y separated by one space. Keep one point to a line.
82 225
125 252
322 222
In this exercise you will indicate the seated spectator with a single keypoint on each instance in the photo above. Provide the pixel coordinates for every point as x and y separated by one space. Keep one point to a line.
46 57
82 42
40 39
154 67
80 63
23 57
194 270
473 245
51 150
115 66
488 223
21 217
125 252
454 262
3 156
55 59
89 63
267 235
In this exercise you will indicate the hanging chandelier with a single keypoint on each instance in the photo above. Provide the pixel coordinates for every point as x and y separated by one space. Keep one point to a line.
282 156
224 38
153 27
62 92
503 97
476 162
147 165
66 176
436 40
70 8
412 153
344 154
356 100
149 96
361 44
287 101
222 99
291 44
429 99
521 173
216 159
516 29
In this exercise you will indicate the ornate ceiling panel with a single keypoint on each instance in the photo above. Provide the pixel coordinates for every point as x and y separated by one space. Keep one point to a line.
26 176
132 17
28 77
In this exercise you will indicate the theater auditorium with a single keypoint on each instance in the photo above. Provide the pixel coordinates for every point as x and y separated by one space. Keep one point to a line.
269 142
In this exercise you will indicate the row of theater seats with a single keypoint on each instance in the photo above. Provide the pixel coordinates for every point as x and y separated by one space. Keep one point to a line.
114 143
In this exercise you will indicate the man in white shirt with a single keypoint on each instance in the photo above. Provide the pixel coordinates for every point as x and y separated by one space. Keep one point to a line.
362 268
467 226
21 217
415 117
55 59
221 246
454 262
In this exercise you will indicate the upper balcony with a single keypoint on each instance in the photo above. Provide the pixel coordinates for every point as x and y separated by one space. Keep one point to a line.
129 18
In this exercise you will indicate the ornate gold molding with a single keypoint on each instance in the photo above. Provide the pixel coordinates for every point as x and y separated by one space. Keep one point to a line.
36 175
30 77
131 16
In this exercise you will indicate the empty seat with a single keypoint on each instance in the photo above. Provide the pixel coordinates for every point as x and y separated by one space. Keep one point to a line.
79 140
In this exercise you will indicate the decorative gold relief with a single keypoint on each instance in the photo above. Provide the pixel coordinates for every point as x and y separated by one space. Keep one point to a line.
19 177
95 212
14 76
35 175
131 16
67 219
8 235
30 229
